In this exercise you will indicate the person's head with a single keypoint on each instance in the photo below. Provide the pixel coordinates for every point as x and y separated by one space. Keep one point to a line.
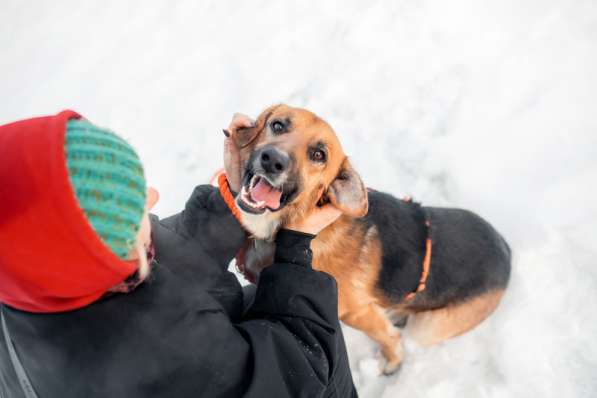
108 180
75 223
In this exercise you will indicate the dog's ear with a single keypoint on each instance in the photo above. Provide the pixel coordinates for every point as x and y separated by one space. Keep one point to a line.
247 135
244 136
348 193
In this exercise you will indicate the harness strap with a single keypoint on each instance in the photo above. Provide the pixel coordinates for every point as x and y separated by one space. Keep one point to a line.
26 385
224 188
427 259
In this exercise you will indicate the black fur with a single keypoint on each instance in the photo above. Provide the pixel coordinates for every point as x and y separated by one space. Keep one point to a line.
469 257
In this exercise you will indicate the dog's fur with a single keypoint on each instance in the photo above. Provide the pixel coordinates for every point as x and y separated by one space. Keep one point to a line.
376 249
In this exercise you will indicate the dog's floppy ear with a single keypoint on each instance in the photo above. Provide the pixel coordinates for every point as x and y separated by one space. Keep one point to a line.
348 193
247 135
244 136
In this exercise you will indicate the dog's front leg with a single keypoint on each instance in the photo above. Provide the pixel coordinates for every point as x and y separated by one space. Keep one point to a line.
372 319
260 254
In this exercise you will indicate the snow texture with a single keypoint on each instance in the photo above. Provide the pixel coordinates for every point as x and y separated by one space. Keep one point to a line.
485 105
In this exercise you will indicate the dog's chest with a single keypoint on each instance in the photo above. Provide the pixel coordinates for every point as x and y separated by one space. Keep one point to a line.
260 226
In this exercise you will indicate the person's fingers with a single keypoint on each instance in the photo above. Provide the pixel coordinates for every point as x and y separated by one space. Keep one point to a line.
231 149
242 119
318 219
152 197
239 121
326 214
232 163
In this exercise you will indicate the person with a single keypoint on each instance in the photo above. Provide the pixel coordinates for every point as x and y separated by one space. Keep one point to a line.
86 311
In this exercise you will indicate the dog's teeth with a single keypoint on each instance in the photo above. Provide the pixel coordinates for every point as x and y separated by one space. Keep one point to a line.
255 181
245 194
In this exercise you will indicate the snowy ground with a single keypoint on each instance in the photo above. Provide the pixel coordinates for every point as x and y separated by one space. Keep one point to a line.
486 105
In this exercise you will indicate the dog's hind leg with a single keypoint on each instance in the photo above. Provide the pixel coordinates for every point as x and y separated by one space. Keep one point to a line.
372 319
434 326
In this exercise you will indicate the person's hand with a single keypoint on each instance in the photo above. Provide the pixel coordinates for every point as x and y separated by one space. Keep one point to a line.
232 152
317 220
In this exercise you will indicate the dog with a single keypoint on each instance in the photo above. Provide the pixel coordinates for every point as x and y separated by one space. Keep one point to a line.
442 270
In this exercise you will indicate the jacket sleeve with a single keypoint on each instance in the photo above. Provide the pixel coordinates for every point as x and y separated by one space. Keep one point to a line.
290 342
173 340
205 228
199 243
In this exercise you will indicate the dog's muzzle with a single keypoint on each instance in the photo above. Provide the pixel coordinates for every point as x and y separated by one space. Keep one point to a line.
265 182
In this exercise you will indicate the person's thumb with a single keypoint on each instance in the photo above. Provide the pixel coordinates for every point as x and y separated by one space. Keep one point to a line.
327 214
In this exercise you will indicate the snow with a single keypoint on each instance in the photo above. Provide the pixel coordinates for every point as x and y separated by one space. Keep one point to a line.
477 104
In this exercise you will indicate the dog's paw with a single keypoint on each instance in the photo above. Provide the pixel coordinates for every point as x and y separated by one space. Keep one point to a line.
388 368
391 360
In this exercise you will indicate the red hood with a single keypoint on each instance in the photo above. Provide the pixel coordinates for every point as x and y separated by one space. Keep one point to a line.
51 260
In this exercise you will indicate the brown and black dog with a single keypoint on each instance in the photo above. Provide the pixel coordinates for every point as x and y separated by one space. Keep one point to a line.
444 269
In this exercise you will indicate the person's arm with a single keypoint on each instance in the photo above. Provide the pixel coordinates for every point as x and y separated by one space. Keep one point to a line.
205 228
199 243
290 343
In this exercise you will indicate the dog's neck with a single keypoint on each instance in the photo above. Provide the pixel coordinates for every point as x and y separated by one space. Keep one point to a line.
261 227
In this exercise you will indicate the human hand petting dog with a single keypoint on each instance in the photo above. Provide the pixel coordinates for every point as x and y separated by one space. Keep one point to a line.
316 221
232 151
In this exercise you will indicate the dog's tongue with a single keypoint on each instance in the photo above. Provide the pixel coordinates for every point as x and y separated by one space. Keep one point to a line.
263 192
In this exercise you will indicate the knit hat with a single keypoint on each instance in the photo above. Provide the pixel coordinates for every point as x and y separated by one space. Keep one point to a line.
51 257
107 178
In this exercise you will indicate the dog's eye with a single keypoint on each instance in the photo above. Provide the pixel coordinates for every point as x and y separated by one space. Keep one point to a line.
317 155
278 127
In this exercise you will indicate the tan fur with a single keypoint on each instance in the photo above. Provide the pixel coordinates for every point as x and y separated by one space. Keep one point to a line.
432 327
355 263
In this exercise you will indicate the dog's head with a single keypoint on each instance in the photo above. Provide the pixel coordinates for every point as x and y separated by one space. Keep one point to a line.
292 161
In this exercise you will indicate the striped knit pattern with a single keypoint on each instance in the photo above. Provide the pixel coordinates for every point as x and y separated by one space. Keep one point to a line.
108 180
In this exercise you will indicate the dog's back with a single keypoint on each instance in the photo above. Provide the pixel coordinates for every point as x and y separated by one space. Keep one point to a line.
469 257
446 269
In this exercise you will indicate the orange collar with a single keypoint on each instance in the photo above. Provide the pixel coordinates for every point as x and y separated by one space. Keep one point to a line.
426 261
224 188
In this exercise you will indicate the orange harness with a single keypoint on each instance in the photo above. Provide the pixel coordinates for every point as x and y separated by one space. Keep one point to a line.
426 266
224 189
226 193
426 261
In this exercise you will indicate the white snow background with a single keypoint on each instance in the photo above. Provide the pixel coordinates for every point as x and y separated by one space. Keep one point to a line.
485 105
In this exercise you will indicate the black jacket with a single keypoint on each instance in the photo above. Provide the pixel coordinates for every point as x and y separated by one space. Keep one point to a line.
179 333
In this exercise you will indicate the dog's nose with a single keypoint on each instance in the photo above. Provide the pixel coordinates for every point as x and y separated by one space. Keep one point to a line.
274 161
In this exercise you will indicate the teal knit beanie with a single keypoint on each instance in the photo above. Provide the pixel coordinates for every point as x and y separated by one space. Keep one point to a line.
107 178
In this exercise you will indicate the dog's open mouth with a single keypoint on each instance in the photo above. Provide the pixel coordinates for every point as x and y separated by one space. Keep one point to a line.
258 195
